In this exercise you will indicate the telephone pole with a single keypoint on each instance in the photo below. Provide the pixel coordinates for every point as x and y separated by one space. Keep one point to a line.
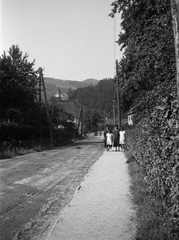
80 122
114 111
118 96
82 113
40 107
41 82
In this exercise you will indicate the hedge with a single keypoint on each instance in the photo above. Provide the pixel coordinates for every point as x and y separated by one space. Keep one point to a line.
15 136
20 132
155 144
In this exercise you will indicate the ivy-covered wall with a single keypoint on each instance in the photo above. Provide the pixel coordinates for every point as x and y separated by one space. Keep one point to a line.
155 143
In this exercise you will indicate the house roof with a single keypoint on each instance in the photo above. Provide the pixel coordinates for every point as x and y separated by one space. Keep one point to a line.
61 94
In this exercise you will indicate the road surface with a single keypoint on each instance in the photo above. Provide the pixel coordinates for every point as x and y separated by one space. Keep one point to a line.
101 208
35 187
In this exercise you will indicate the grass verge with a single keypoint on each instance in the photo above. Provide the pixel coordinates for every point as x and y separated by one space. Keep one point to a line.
150 213
11 151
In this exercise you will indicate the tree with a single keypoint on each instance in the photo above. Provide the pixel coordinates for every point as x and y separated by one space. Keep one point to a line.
149 57
18 87
175 17
92 103
70 93
91 119
59 116
53 100
96 97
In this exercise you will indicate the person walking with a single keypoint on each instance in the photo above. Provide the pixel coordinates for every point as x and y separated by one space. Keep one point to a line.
116 137
122 138
109 140
105 132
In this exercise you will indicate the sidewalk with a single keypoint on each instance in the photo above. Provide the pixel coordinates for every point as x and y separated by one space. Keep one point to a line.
101 208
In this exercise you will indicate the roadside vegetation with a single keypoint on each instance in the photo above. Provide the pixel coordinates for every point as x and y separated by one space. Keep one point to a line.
150 212
24 125
155 144
148 87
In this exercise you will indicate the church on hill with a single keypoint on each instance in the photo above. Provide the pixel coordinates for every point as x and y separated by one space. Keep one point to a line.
62 96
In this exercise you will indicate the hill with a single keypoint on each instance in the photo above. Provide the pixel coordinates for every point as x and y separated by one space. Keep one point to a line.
53 84
99 97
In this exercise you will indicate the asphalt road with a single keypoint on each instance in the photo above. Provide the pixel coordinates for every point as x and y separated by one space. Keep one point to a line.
36 186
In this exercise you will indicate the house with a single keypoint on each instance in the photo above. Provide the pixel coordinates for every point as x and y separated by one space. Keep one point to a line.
61 96
73 107
70 106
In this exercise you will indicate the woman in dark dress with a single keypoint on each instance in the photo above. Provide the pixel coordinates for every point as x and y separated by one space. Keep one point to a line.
116 137
105 132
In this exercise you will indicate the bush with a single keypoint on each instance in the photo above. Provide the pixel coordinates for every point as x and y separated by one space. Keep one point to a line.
155 144
20 132
18 139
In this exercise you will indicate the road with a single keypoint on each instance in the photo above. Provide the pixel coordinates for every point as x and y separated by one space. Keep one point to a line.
36 186
102 208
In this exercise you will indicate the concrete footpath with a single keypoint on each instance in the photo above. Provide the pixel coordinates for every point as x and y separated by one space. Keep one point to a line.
101 208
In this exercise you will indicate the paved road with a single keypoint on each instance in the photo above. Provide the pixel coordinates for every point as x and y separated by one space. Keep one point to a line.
35 187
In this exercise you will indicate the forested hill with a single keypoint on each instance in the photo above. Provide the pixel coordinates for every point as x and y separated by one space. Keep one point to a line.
52 85
97 97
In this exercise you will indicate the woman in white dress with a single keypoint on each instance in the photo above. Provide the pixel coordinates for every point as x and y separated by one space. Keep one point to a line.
122 138
109 140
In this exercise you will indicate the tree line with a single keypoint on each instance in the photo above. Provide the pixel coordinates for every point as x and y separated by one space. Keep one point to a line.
98 97
22 117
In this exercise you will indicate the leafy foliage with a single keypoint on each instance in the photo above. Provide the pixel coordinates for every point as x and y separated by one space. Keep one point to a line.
59 116
155 143
98 97
21 118
148 61
18 87
148 84
91 118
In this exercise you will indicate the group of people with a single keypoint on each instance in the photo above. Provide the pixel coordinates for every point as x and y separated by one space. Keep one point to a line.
115 138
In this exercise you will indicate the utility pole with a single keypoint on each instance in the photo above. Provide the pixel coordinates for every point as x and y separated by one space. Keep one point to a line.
114 111
40 106
104 118
175 19
82 121
41 79
118 96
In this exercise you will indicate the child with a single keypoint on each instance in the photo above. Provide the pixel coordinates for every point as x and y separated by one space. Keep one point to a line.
109 140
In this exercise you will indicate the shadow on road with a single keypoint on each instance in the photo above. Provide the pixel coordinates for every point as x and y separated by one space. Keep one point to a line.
84 143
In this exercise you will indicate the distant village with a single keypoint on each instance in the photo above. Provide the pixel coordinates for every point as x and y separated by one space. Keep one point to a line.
73 107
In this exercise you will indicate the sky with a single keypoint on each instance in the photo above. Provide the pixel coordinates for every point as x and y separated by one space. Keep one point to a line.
69 39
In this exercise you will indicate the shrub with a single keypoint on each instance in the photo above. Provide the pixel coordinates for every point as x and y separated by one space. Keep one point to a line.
155 144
